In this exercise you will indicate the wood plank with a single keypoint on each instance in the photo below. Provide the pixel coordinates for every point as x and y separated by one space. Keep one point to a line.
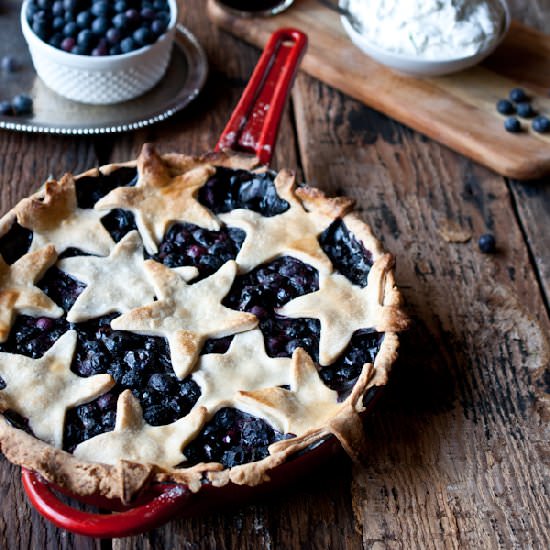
457 110
532 199
458 446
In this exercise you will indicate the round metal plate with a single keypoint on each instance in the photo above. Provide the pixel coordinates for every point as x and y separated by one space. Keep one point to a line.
184 78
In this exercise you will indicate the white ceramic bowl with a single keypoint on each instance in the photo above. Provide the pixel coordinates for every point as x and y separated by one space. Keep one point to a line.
417 66
102 79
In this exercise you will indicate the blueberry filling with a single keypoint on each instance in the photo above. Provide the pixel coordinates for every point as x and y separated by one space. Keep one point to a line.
282 336
15 243
89 189
272 285
232 437
217 345
139 363
346 253
188 244
118 223
61 288
342 375
229 189
33 336
71 252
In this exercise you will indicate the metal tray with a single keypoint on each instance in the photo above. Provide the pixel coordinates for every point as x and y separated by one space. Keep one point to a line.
184 78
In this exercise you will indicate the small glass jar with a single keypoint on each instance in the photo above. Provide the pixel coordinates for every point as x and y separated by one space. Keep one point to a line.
255 8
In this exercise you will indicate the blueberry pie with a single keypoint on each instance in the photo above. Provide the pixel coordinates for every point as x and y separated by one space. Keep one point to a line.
187 319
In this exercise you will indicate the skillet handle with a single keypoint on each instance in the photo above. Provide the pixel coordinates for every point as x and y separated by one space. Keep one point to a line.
130 522
254 124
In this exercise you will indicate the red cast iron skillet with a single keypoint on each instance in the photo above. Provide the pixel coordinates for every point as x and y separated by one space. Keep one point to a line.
253 129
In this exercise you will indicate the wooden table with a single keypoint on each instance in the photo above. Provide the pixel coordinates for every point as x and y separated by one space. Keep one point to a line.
459 448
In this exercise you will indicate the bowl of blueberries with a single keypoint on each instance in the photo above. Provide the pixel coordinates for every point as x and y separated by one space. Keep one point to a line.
99 51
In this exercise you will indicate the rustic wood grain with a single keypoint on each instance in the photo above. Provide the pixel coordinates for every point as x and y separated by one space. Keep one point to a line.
458 448
457 110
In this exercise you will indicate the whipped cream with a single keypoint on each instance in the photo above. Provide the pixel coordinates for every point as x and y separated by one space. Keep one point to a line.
428 29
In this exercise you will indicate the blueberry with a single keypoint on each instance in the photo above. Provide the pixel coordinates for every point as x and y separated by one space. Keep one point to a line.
101 26
120 6
70 29
505 107
120 21
512 124
143 36
113 36
147 14
71 5
100 8
58 23
133 17
84 19
101 49
6 108
487 243
541 124
31 10
158 27
525 110
127 45
86 39
8 64
22 104
518 94
41 29
68 44
160 5
58 9
44 4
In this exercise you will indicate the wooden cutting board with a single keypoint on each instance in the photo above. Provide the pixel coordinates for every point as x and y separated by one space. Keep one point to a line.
457 110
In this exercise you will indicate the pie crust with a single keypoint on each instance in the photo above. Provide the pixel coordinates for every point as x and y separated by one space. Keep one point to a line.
288 393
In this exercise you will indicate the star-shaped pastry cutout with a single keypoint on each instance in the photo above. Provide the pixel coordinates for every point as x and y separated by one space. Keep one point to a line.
41 390
18 293
307 405
294 232
245 366
135 440
187 314
56 219
342 308
159 199
117 282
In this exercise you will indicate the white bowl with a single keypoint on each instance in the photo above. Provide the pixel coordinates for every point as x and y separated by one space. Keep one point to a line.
102 79
416 66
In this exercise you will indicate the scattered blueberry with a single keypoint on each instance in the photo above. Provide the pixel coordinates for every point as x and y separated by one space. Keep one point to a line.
6 108
518 94
22 104
512 124
487 243
541 124
525 110
8 64
505 107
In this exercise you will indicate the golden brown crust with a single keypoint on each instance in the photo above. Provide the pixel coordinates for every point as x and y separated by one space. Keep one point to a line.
125 479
